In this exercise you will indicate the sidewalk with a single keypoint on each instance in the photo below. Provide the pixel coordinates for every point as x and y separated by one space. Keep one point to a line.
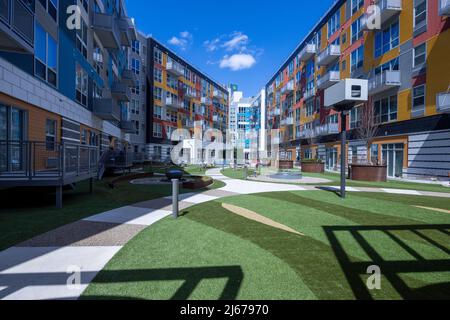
38 268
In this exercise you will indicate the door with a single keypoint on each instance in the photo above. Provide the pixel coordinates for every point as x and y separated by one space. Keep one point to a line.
11 139
331 159
393 157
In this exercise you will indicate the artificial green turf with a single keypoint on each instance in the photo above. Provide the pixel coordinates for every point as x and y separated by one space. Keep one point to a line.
25 213
335 181
185 258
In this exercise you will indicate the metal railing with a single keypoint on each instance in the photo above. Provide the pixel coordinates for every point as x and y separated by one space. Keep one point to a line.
32 160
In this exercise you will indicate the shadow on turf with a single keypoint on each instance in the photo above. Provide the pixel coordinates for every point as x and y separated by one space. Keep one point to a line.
391 270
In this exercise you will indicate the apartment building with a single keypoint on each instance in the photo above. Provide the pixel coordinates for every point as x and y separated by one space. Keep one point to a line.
64 88
180 97
407 66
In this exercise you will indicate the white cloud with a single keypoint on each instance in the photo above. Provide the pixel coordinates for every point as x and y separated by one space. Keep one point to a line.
238 62
183 41
212 45
238 41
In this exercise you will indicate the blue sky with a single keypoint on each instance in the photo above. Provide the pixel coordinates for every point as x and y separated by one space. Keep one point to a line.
233 41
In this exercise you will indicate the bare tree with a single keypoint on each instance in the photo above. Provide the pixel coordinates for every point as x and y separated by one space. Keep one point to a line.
368 126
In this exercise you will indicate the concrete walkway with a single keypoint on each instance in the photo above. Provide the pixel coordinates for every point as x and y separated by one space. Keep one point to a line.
42 267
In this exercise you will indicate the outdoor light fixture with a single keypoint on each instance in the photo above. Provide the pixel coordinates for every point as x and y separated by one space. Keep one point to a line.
342 97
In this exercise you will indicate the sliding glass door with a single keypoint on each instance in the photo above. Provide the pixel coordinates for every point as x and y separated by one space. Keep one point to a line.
393 157
11 139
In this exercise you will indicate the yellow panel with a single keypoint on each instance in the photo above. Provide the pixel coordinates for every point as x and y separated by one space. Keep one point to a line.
404 105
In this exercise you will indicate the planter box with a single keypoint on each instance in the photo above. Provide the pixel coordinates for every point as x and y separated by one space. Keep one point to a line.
285 164
313 167
198 183
361 172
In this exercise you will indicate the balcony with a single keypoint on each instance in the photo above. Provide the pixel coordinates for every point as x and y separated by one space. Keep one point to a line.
129 78
206 100
384 81
327 129
444 8
307 52
217 94
309 94
275 113
389 8
105 26
121 91
172 103
127 31
329 79
443 102
189 92
287 121
174 68
288 88
17 26
127 126
270 90
329 55
106 109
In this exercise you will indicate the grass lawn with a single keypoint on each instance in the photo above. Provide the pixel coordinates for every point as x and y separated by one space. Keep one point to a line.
211 253
237 174
335 181
26 213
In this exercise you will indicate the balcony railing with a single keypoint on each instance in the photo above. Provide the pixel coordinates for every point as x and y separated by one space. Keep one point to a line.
189 92
385 80
127 126
329 55
287 121
288 88
127 31
172 103
106 28
327 129
329 79
388 9
25 163
129 78
217 94
206 100
309 94
106 109
307 52
174 68
444 8
17 26
121 91
443 102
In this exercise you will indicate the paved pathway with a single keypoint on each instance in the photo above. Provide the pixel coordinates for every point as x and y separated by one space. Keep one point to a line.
40 267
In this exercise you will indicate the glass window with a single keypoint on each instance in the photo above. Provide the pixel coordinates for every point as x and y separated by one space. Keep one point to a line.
50 134
357 58
420 53
45 62
387 39
420 14
81 85
418 104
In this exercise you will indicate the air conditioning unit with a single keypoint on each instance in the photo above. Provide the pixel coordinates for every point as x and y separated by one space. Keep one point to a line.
345 94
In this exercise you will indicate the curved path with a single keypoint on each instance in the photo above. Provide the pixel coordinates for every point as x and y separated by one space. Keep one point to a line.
60 264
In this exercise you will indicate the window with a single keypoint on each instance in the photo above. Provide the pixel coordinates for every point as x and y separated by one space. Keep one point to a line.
135 66
84 135
85 4
51 6
357 60
356 5
157 130
420 53
137 89
291 68
157 93
45 58
157 58
97 57
385 109
157 152
387 39
390 65
157 112
50 135
81 85
418 103
81 41
355 118
136 47
157 75
310 108
420 14
357 31
333 119
334 23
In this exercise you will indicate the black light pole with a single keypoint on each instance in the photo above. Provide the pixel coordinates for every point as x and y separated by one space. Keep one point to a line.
343 151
